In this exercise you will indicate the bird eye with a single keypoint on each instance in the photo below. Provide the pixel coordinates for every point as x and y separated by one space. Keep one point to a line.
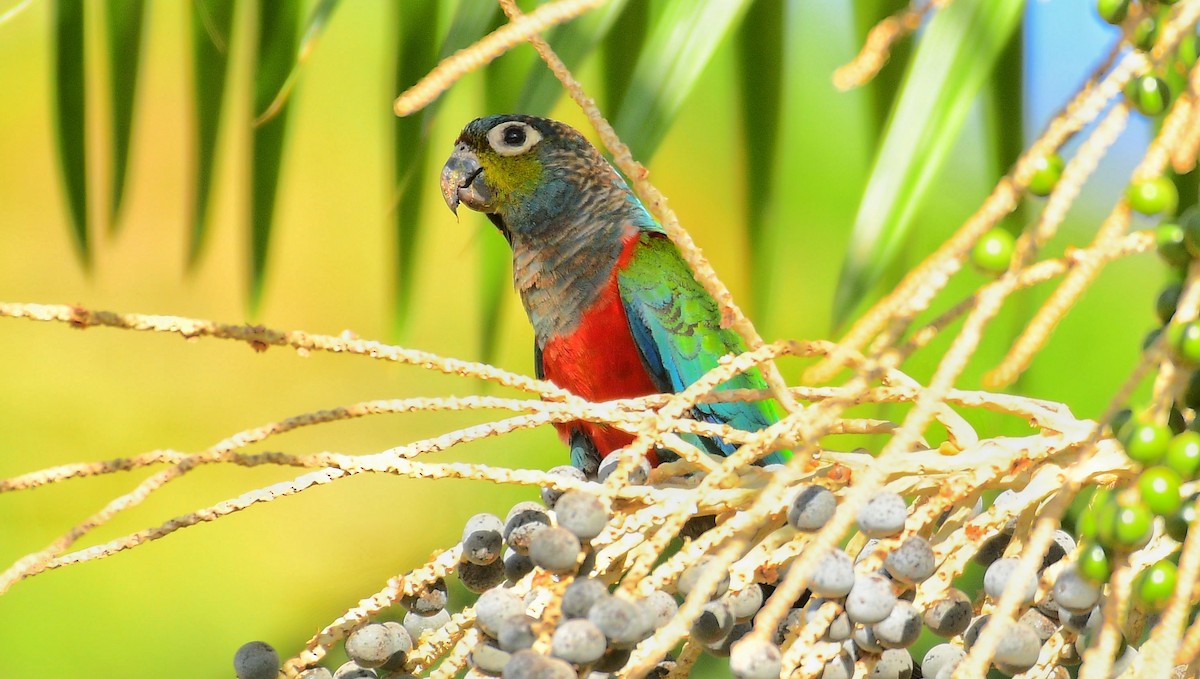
513 138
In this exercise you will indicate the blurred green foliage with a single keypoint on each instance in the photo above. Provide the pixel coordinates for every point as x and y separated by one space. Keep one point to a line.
357 239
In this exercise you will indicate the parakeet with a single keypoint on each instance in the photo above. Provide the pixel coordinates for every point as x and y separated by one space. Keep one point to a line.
616 312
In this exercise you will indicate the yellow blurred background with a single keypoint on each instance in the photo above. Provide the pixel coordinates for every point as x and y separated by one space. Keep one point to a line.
180 606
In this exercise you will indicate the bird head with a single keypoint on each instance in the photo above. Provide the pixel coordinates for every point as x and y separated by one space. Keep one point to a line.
524 172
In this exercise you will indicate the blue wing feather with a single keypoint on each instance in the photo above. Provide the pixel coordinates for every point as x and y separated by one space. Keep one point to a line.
677 328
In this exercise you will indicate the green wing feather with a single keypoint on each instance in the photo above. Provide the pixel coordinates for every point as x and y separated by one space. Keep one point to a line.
677 327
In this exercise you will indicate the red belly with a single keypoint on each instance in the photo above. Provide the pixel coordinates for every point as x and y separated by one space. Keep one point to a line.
599 362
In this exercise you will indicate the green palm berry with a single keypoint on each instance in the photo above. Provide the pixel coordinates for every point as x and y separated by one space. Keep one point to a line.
1152 196
1094 563
1085 521
1187 50
993 252
1145 442
1155 586
1047 171
1167 301
1189 221
1185 340
1118 422
1121 419
1151 337
1183 454
1175 420
1178 523
1171 246
1132 527
1149 94
1085 524
1145 33
1113 11
1159 487
1191 395
1106 522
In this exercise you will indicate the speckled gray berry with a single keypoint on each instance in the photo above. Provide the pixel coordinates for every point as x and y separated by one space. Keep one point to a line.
1075 622
494 607
430 599
811 508
315 673
489 659
372 644
949 615
481 539
550 494
530 665
745 602
693 573
579 597
900 628
864 638
883 515
637 476
833 576
482 547
999 575
660 607
894 663
621 621
839 627
753 658
517 566
419 624
516 633
524 520
1017 649
480 579
578 641
942 655
555 550
1037 621
353 670
840 666
395 662
582 513
1074 592
870 599
1062 545
714 622
256 660
912 562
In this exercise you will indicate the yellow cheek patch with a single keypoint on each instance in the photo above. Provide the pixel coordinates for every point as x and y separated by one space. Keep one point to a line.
511 175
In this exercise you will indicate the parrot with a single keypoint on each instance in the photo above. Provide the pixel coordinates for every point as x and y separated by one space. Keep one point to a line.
616 311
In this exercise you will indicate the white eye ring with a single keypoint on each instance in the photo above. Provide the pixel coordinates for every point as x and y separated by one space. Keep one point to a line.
504 136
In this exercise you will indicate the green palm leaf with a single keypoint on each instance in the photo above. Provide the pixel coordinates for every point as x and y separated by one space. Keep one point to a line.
679 46
572 42
211 28
276 46
416 57
621 48
69 114
954 58
883 88
760 52
124 24
317 21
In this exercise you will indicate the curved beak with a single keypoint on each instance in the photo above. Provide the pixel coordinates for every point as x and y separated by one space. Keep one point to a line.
463 181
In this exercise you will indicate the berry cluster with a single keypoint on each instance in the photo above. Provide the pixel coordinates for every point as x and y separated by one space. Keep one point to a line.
873 607
1150 95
